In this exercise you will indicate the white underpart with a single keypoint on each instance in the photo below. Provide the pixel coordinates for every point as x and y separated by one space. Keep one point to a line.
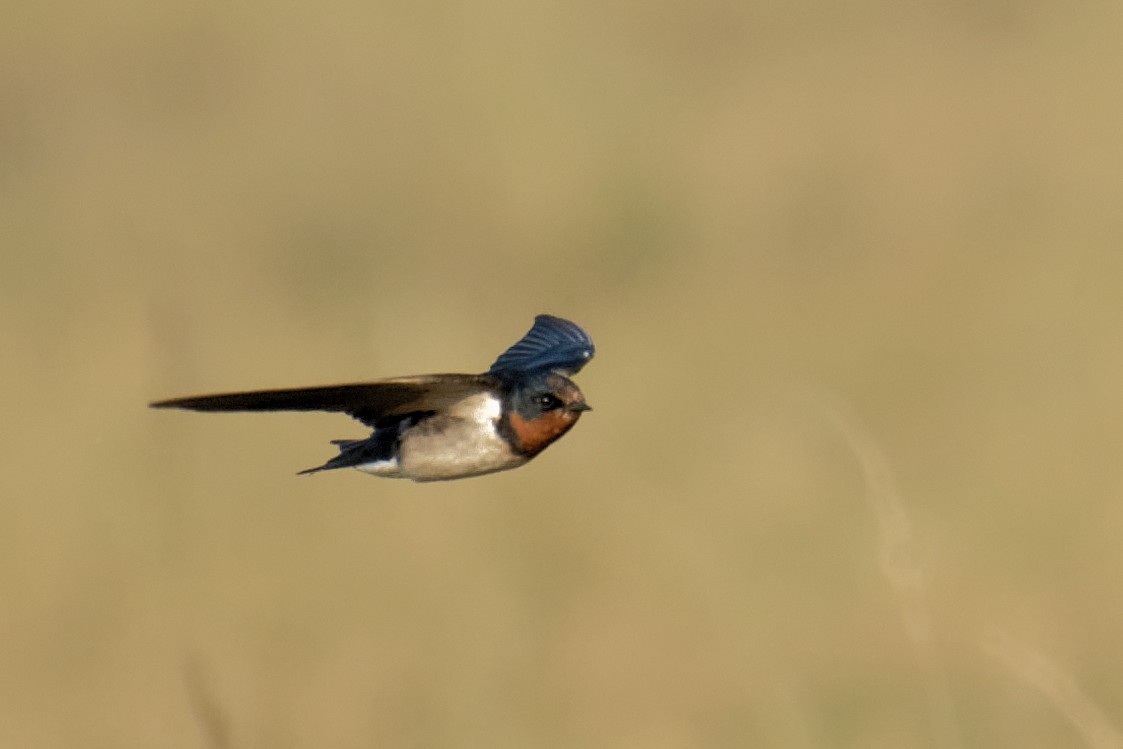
462 441
387 468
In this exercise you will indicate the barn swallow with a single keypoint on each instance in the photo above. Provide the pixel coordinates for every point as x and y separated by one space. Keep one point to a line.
445 426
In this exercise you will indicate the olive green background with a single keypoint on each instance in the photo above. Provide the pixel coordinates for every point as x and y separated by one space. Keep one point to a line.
854 272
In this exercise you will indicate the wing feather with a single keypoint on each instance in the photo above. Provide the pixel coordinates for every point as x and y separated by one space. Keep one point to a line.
369 402
552 344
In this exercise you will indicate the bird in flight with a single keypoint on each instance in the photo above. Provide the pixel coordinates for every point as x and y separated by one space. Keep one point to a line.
445 426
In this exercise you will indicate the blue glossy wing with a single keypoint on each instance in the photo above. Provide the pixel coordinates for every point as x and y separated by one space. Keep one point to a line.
553 344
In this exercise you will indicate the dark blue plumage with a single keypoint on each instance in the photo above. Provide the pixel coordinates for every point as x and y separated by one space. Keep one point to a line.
551 345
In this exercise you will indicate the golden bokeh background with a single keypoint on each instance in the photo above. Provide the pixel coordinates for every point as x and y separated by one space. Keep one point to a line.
854 273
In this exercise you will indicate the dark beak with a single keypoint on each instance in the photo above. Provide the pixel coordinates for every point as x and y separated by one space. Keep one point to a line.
580 407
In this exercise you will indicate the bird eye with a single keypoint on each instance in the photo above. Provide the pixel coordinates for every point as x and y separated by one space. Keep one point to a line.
548 402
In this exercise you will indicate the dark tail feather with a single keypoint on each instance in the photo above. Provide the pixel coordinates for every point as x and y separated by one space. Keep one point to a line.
353 453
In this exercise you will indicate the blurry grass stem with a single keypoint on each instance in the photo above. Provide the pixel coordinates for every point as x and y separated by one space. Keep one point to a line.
1059 688
902 569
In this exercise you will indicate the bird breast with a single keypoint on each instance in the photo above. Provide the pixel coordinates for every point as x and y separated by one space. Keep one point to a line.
462 441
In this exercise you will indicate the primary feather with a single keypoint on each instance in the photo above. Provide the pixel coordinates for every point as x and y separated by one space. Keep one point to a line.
552 344
369 402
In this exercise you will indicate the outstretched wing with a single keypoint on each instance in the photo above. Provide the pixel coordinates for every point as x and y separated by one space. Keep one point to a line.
368 402
552 344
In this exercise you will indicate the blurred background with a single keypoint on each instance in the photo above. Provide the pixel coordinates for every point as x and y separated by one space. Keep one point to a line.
853 478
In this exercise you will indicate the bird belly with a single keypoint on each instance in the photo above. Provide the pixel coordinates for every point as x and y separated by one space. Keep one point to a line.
461 442
384 468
